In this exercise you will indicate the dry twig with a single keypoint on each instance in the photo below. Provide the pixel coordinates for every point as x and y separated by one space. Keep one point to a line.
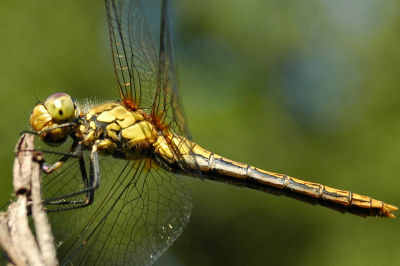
16 237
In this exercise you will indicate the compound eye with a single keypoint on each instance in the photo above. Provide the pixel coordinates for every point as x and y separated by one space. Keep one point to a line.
61 107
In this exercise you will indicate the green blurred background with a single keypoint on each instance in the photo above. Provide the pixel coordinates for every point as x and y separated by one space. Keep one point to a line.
306 89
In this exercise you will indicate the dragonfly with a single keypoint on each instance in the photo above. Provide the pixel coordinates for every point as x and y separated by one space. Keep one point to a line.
113 187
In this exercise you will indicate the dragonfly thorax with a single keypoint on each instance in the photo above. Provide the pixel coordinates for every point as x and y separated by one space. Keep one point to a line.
118 131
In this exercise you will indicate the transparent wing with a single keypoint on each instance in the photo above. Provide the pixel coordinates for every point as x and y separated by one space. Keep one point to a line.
135 219
138 211
133 52
167 103
145 81
142 82
167 110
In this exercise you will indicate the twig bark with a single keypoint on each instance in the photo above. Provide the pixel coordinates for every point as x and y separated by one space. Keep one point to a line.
16 237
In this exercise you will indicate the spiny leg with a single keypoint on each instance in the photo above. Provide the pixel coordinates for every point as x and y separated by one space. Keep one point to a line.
89 184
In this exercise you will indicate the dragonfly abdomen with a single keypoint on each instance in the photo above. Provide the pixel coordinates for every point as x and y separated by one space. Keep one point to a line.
222 169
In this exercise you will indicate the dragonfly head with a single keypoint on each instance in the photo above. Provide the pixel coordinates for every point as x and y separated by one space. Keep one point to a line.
53 118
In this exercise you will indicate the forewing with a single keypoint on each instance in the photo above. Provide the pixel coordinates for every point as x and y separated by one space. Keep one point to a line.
133 53
139 211
167 109
167 103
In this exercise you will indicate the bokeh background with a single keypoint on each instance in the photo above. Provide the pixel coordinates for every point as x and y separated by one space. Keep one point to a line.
306 89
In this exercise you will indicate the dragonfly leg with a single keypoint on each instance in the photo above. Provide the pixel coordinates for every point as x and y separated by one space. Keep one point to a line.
94 175
89 184
75 151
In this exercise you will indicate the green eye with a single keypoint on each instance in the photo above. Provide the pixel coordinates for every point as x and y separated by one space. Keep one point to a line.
61 107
